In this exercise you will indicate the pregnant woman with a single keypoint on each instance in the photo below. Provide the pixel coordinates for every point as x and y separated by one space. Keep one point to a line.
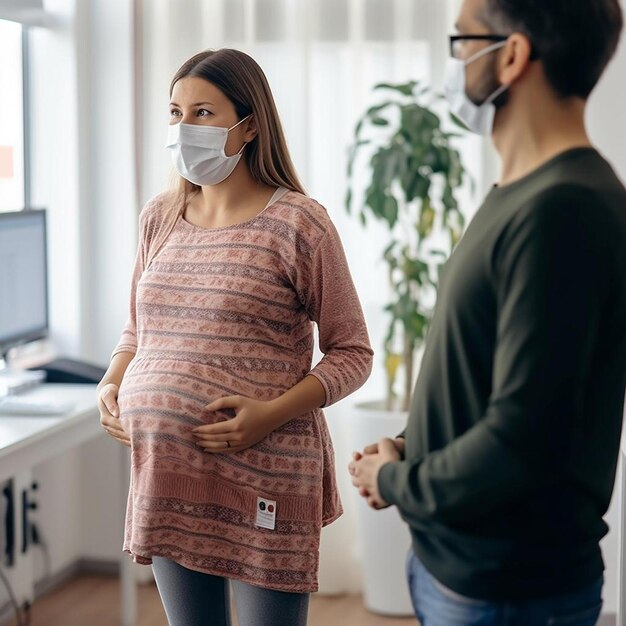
211 384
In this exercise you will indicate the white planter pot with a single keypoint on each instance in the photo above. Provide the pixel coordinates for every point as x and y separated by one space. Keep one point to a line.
383 538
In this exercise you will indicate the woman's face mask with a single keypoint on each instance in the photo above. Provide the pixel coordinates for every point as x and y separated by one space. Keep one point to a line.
198 152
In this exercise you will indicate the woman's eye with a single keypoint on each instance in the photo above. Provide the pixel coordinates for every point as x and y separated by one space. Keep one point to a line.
203 112
174 113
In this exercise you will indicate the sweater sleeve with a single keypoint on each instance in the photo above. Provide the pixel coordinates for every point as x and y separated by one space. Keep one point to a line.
550 276
128 339
332 302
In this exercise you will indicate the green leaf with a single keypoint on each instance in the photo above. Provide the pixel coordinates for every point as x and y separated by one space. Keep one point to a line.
391 211
377 108
415 270
416 325
455 170
389 249
449 201
418 187
405 89
457 122
427 219
353 152
375 200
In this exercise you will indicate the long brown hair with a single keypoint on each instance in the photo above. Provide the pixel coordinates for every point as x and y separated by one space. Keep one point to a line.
243 82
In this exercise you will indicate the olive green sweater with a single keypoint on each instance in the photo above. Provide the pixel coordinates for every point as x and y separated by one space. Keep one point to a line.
513 435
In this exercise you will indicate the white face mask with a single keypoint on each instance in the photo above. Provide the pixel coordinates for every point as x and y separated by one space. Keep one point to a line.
479 118
198 152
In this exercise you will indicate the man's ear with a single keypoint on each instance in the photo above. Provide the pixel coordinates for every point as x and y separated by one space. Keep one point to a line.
514 59
251 129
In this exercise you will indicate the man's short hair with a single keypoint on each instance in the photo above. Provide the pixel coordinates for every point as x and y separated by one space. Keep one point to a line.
575 39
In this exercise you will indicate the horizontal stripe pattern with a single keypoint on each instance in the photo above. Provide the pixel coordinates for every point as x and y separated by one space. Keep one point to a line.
230 311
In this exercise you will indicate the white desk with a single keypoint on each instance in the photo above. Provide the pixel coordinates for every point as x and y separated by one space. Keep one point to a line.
28 441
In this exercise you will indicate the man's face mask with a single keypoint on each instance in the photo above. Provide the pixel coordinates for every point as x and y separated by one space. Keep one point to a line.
479 118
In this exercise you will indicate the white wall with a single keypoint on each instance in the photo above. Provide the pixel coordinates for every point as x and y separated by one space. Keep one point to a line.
606 121
55 167
84 168
56 162
106 90
607 127
105 49
83 172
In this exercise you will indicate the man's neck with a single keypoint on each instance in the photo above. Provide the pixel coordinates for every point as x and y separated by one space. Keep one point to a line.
528 136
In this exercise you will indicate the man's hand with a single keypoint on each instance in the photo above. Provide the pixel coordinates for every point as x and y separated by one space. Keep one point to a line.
364 469
398 442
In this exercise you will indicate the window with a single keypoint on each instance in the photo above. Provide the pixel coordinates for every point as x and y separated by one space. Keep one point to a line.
12 144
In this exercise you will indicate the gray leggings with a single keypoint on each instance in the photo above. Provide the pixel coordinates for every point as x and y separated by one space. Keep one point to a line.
193 598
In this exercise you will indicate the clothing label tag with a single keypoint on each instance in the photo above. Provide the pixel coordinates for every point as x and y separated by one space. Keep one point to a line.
265 513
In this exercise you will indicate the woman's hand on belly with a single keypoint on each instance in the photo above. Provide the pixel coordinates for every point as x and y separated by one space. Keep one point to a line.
110 414
253 421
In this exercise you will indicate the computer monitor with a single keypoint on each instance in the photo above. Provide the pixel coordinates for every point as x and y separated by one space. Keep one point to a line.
23 278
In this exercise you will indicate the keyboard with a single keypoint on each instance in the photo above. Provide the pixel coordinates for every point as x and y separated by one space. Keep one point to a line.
23 405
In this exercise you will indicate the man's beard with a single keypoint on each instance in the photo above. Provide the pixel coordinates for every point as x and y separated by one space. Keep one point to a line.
488 84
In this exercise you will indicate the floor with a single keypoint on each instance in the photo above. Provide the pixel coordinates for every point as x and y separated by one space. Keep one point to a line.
94 601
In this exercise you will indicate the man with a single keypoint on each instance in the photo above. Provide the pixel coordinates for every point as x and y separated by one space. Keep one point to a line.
508 460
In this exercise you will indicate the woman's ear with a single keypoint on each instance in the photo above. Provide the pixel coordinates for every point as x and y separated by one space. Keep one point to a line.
515 58
251 130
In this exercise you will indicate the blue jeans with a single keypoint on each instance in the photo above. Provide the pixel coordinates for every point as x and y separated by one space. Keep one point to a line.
436 605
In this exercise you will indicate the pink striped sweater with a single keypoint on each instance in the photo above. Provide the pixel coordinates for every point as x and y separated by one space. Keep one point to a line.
226 311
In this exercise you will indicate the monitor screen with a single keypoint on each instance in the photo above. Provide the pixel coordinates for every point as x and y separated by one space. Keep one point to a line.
23 278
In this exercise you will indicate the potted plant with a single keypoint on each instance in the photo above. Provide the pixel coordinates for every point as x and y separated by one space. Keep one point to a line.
416 173
411 181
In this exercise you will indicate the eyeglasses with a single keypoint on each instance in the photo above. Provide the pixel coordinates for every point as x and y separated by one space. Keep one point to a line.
455 40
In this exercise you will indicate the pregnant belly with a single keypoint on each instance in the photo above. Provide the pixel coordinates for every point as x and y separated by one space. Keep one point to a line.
167 398
161 402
